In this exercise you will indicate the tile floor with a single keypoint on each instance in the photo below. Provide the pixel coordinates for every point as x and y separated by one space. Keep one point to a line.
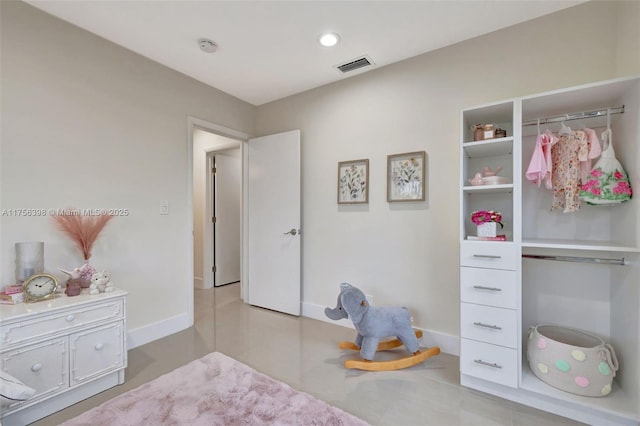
303 353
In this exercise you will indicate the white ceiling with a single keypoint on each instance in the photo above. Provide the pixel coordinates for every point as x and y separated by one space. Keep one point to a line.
268 49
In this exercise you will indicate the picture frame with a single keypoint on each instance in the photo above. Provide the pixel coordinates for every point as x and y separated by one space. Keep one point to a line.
353 182
406 177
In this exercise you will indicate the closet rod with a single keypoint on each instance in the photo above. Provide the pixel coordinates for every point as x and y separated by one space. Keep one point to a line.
578 259
574 116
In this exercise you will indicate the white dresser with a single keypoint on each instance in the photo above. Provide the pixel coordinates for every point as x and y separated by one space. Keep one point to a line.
68 349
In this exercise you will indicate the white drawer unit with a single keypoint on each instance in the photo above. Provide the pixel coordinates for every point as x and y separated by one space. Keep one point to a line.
497 326
491 287
67 349
487 254
489 362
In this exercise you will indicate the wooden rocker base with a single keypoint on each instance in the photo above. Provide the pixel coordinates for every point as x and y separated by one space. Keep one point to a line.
395 364
382 346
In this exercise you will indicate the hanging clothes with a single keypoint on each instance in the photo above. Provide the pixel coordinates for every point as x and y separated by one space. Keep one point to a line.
594 152
538 165
566 156
608 182
547 145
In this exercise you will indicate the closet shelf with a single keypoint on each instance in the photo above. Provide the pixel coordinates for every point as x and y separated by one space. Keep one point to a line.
615 404
608 246
488 148
507 187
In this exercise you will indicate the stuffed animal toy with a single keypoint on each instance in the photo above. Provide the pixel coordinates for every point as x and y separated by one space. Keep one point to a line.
373 323
101 283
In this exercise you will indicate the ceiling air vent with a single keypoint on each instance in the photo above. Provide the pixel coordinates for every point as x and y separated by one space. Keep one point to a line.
355 64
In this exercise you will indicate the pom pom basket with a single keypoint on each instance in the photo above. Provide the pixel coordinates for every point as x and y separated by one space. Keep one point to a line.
571 360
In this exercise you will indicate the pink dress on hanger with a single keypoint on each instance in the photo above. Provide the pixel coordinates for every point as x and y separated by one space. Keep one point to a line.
538 165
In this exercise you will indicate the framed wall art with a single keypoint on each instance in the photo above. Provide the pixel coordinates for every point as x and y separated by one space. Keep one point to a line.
353 182
406 177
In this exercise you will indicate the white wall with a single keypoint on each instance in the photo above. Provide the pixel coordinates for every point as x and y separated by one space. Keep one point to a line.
86 123
408 254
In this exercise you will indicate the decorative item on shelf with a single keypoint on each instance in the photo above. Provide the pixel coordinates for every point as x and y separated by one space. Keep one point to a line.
477 180
478 132
101 283
487 221
488 132
83 230
40 287
488 171
572 360
73 286
490 176
29 259
500 133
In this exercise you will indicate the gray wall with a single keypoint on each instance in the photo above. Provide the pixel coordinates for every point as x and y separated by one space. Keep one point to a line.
408 254
88 124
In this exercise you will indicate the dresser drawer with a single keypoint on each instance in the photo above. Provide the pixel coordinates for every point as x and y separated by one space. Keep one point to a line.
488 362
493 287
61 321
488 324
489 254
96 351
42 366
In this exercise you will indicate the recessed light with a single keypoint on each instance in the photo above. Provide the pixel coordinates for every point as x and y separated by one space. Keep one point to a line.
329 39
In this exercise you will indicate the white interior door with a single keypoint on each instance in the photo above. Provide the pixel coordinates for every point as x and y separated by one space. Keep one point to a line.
227 213
274 196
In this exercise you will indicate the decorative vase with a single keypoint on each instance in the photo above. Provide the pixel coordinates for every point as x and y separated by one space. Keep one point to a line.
29 259
488 229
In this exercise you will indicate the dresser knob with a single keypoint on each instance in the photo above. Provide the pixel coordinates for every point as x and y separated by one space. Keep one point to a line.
99 346
70 318
36 367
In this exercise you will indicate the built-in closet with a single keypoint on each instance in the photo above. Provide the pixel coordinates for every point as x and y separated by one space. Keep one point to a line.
579 270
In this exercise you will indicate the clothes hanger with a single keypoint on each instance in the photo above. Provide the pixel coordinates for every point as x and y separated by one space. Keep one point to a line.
564 129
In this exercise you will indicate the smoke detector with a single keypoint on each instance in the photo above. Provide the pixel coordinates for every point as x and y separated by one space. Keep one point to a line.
207 45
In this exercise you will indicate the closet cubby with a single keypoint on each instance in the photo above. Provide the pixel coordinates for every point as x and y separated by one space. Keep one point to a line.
578 270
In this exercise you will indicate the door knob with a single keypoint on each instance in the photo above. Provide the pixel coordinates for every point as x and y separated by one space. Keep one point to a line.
292 232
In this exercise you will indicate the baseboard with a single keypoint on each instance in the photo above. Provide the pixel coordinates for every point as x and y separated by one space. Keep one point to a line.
448 344
198 282
158 330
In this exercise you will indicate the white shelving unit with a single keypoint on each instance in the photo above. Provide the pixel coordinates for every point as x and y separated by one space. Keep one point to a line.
598 291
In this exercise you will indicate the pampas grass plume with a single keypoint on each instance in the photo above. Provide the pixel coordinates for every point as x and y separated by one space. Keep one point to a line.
81 229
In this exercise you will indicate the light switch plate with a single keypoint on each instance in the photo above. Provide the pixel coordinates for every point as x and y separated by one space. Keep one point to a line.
164 207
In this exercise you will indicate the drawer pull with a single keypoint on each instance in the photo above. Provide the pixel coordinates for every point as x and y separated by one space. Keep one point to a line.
99 346
70 318
488 364
488 256
493 327
481 287
36 367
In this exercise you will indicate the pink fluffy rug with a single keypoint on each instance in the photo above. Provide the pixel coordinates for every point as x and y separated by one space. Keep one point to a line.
215 390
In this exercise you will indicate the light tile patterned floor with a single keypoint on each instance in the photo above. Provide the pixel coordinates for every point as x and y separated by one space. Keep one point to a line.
303 353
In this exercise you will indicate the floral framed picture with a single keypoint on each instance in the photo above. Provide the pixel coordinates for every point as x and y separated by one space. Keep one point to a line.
406 177
353 182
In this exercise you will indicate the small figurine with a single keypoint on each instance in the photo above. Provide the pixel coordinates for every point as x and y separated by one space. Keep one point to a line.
487 171
73 286
477 179
101 283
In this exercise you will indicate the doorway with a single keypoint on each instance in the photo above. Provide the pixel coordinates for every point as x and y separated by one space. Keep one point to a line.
206 145
224 187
